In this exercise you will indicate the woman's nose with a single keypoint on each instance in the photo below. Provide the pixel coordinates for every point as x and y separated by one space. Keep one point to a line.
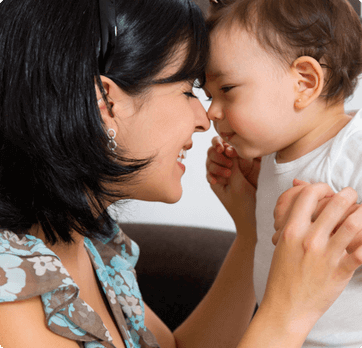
202 121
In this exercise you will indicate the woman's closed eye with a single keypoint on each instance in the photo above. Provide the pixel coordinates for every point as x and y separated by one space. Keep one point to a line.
190 95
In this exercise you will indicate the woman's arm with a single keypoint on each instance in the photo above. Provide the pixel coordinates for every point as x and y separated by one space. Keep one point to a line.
310 269
224 314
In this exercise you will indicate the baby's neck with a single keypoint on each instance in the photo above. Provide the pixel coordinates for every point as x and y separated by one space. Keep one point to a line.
327 124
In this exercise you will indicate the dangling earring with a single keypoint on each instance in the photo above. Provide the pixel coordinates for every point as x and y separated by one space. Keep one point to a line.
111 134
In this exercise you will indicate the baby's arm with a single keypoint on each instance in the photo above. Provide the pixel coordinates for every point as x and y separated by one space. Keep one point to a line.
234 181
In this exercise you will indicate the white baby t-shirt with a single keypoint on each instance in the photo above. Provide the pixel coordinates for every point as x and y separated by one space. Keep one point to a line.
337 162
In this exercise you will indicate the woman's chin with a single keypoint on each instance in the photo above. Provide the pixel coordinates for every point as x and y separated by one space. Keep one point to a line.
165 196
172 198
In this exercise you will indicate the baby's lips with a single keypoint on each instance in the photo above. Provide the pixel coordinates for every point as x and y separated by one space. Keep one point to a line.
226 136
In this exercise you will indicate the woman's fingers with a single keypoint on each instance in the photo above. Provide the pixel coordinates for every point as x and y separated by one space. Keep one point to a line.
297 182
332 214
284 205
352 261
347 236
304 206
313 259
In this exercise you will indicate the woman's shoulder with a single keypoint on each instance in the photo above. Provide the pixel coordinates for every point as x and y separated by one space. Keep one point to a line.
21 320
28 268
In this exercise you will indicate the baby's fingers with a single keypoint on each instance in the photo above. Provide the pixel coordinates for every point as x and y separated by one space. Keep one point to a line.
223 147
218 158
213 180
216 170
218 144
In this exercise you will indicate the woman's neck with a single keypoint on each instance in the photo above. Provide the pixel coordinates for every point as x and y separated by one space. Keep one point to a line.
71 255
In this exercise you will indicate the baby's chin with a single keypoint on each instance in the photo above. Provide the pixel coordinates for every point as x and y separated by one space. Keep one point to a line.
248 153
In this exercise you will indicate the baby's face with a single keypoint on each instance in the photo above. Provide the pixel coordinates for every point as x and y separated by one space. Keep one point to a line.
252 95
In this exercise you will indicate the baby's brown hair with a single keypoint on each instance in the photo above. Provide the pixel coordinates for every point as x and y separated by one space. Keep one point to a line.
330 31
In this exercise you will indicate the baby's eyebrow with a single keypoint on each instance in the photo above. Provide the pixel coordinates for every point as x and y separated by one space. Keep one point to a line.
214 74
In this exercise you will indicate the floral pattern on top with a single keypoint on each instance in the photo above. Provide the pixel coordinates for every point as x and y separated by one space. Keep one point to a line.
28 269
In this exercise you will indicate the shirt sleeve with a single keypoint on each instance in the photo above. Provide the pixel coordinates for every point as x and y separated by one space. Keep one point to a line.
346 163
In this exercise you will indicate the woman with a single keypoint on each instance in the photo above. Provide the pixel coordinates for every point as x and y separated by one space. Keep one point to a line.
97 106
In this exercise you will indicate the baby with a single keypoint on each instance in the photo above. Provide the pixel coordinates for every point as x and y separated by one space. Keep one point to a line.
278 76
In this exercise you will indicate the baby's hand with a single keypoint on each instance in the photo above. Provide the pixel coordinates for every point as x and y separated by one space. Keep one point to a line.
219 162
233 180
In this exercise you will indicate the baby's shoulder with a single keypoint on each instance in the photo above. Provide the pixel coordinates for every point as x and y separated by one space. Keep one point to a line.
347 144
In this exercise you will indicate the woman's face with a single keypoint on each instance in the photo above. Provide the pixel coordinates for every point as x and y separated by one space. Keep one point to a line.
161 128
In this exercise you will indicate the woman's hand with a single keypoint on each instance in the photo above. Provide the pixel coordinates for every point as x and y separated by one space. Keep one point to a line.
234 181
285 204
313 260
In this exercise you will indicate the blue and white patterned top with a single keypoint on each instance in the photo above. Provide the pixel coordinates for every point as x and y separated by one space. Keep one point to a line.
28 269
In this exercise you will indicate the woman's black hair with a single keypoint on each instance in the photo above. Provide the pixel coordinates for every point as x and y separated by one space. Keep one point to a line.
148 34
55 167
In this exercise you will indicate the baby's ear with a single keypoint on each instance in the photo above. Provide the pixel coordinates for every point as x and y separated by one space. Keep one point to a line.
310 81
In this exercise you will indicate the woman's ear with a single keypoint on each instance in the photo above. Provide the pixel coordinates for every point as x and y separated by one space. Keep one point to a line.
310 81
118 103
